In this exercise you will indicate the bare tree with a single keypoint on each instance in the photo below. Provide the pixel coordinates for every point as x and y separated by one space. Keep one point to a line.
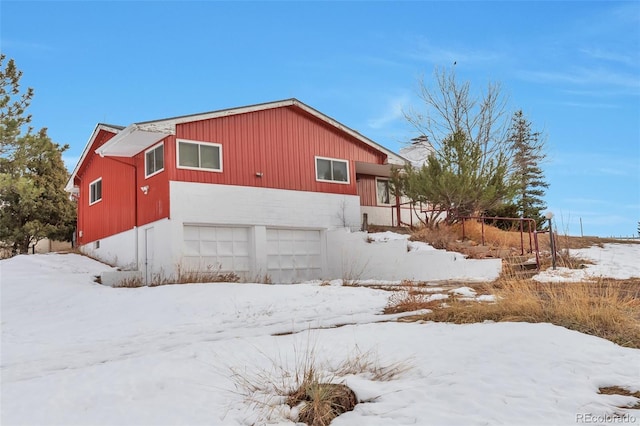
468 171
451 108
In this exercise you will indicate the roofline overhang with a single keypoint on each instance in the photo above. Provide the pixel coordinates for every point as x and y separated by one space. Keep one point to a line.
69 187
136 137
130 141
168 125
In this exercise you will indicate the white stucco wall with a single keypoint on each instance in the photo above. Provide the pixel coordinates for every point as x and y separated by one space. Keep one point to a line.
241 205
351 257
344 254
383 215
117 250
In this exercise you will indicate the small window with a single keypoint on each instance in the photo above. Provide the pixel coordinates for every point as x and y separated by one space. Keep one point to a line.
154 161
332 170
200 156
383 192
95 191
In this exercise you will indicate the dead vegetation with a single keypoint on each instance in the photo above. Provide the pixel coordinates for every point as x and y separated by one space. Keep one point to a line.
504 244
313 391
605 308
617 390
608 308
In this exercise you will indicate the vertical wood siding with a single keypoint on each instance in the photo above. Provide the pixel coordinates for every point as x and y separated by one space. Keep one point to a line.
115 212
155 204
367 190
280 143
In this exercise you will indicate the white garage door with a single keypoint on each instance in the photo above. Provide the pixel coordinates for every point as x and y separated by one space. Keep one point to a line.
217 247
294 255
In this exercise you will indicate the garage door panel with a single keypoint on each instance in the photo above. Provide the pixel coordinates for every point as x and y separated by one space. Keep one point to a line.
208 248
241 247
207 233
294 254
240 234
217 248
224 234
191 248
191 233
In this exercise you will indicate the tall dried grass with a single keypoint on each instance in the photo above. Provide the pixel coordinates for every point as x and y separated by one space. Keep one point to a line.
607 308
312 390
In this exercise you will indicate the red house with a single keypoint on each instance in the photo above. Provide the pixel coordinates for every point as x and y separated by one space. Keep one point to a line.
250 190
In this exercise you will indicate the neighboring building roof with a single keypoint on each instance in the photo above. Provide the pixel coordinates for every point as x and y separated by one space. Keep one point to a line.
134 138
418 151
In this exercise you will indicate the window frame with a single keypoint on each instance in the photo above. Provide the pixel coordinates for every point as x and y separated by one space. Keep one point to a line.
392 200
198 143
91 184
153 148
340 160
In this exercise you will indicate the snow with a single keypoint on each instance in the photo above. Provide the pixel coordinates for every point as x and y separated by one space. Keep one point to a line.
618 261
78 353
383 237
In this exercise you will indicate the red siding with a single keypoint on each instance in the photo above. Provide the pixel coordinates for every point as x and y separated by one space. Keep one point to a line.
115 212
155 204
281 143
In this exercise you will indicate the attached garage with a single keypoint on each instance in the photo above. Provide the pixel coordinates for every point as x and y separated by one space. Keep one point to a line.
294 255
214 248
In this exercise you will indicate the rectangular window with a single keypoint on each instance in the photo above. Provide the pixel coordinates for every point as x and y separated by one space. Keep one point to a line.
383 192
200 156
154 161
332 170
95 191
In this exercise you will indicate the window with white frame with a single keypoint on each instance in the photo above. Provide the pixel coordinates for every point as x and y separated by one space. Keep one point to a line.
199 156
383 192
154 160
332 170
95 191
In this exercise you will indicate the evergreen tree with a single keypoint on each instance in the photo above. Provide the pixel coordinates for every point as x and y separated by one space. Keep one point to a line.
458 179
12 106
528 177
33 204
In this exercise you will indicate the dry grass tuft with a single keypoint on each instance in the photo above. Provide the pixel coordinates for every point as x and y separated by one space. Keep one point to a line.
322 402
617 390
410 300
131 282
368 364
609 309
311 390
442 237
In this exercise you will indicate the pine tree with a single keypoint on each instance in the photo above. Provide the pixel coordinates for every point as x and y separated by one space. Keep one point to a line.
33 204
12 105
458 179
528 149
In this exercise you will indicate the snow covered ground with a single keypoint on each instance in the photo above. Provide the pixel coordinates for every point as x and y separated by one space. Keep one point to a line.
619 261
77 353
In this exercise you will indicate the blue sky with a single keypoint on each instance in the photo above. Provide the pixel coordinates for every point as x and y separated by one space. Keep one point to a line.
572 67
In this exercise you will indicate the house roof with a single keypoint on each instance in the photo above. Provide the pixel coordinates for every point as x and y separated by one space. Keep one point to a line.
136 137
112 128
